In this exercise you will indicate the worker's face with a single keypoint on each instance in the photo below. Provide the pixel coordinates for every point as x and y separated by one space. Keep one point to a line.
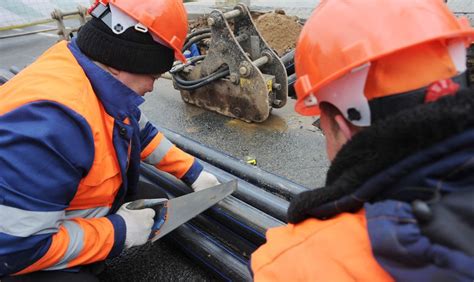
140 83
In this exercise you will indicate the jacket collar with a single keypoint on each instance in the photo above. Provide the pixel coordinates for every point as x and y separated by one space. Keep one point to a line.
118 100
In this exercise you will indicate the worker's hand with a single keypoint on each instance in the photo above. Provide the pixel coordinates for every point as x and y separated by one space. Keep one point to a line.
204 180
138 224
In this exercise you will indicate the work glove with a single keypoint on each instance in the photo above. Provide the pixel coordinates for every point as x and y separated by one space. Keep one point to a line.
204 180
138 224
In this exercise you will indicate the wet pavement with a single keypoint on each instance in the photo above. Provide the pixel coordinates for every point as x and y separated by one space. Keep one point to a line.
286 144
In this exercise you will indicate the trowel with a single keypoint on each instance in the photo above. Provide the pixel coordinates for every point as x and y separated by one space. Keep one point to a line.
170 214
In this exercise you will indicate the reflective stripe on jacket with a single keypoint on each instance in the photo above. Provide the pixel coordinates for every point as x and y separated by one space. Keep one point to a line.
71 141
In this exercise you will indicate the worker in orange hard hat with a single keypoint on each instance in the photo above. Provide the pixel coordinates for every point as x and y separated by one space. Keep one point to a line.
72 138
388 81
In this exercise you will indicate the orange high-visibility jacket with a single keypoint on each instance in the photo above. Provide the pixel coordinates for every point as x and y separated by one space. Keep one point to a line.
71 141
337 249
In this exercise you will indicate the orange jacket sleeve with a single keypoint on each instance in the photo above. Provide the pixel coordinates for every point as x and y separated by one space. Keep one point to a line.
82 241
158 151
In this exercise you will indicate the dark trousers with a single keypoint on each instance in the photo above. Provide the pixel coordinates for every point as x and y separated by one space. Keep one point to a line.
86 273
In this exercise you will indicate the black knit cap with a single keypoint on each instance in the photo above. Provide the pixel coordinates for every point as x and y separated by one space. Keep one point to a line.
132 51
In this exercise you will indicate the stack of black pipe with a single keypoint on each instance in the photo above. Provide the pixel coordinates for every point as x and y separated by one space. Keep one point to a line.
223 238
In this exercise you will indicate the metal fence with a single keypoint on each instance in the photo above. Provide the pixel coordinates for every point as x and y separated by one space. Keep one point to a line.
21 12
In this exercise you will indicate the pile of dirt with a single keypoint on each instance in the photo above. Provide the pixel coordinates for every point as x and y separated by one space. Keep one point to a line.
279 30
197 23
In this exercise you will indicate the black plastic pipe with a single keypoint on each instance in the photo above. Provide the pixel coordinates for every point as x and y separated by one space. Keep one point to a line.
251 194
5 76
240 217
224 235
257 176
209 252
204 246
243 219
204 222
14 69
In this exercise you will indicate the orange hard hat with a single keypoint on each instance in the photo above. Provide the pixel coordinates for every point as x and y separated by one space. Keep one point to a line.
342 38
166 20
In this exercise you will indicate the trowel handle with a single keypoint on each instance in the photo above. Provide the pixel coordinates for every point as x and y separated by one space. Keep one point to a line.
158 205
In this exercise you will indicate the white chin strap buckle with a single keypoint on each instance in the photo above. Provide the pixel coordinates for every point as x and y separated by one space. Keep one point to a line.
141 28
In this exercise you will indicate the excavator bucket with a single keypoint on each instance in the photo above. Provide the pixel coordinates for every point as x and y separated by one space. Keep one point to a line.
240 76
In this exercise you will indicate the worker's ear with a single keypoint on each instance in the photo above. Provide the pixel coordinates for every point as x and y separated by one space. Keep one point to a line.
345 127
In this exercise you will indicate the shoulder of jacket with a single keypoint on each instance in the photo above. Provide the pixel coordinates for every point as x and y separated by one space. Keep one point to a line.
67 82
322 236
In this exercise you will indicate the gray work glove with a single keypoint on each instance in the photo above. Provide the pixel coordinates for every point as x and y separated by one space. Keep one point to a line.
204 180
138 224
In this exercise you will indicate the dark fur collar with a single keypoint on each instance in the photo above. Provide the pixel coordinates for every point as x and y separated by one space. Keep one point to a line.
384 144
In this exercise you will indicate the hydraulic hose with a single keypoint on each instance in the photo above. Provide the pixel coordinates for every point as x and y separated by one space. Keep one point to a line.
291 86
190 85
184 82
288 58
193 85
196 33
288 61
195 39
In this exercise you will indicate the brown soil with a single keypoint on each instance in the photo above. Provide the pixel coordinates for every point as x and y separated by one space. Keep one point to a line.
280 31
198 23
